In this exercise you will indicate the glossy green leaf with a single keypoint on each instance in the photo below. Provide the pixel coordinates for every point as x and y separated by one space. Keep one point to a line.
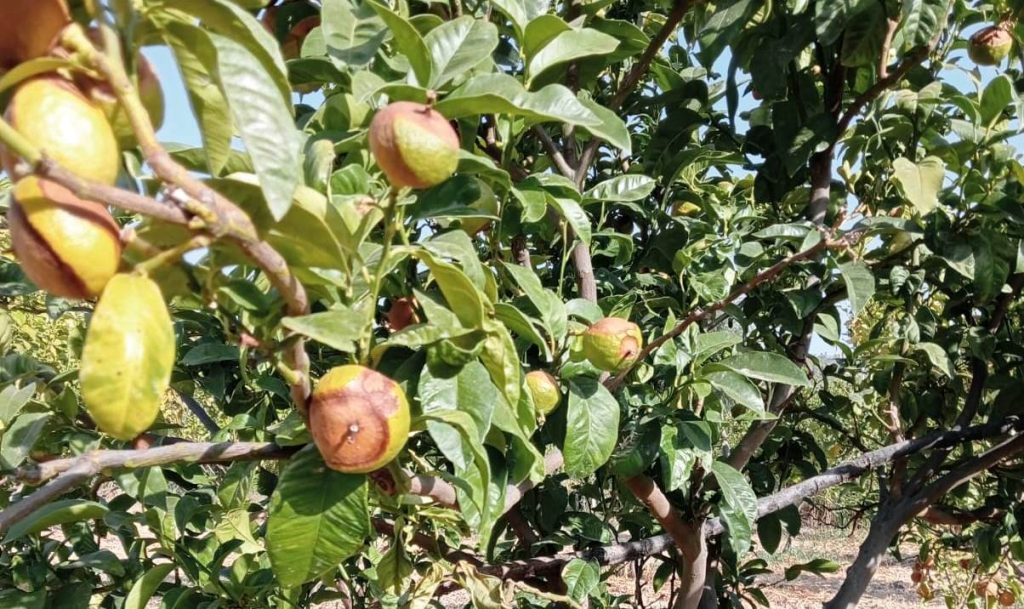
353 32
580 577
920 182
547 303
406 40
592 427
339 328
922 21
568 46
503 94
12 399
997 96
737 388
629 187
56 513
457 46
860 284
831 17
739 505
144 587
766 366
318 517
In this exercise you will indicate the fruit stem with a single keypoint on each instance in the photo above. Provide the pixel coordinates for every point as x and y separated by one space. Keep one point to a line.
172 255
390 216
18 144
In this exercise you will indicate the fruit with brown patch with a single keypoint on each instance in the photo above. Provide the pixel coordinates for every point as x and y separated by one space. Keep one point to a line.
29 29
402 314
612 344
990 46
414 145
67 246
359 419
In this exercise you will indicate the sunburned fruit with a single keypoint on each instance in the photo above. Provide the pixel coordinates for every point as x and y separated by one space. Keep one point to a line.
54 116
612 344
127 357
359 419
402 314
291 48
67 246
29 29
414 145
544 391
990 46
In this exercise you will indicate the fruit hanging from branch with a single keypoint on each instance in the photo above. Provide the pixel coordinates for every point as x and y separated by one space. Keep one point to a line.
128 356
52 114
29 29
486 203
544 391
67 246
612 344
414 145
990 46
359 419
402 313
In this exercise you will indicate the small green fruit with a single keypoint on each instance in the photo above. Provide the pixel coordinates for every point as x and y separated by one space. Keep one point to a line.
359 419
127 357
414 145
612 344
544 390
487 204
990 46
685 209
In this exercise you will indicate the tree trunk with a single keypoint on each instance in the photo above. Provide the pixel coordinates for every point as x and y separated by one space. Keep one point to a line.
883 528
693 563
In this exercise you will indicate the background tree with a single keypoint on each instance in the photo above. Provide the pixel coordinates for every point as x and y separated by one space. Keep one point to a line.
674 210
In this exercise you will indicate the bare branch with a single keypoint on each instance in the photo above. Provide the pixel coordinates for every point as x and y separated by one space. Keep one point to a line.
556 155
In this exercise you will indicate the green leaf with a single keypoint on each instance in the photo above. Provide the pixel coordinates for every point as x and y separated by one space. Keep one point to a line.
210 353
568 46
406 40
353 33
629 187
464 299
922 21
197 60
770 367
737 388
20 437
920 182
340 328
816 566
264 122
548 304
580 577
501 359
575 215
19 599
710 343
470 391
503 94
527 328
862 40
144 587
937 357
860 284
739 505
56 513
996 98
592 427
12 399
458 46
318 517
611 128
521 12
769 532
831 17
228 20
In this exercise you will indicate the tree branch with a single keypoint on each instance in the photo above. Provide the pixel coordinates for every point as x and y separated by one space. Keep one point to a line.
556 155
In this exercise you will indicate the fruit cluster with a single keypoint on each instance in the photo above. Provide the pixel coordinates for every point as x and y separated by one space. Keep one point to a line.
71 247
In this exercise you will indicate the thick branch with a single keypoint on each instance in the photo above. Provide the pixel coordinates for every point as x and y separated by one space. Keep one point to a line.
556 155
648 493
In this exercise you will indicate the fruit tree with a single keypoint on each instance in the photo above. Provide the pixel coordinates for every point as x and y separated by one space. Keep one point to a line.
499 296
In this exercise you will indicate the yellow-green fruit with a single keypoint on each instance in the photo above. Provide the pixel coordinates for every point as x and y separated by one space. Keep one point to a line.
54 116
544 390
127 357
29 29
685 209
66 246
990 46
414 145
359 419
612 344
486 203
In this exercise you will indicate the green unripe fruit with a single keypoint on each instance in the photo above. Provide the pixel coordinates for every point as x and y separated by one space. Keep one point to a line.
685 209
612 344
487 204
127 357
414 145
544 391
359 419
67 246
990 46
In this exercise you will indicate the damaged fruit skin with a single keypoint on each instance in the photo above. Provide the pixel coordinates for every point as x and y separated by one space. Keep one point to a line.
402 314
414 145
544 390
359 419
990 46
56 117
29 29
612 344
67 246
